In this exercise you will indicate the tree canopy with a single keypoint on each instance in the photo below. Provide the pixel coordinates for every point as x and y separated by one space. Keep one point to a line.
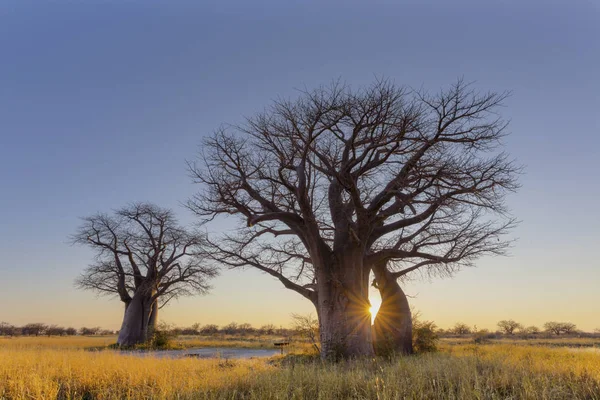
339 179
143 254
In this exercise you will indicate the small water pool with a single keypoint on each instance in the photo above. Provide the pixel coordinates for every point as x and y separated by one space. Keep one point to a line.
209 352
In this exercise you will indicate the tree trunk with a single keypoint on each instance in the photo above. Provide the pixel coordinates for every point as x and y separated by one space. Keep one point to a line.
153 320
343 308
393 324
134 329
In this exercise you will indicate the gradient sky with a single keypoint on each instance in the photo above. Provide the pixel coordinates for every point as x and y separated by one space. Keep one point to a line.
101 103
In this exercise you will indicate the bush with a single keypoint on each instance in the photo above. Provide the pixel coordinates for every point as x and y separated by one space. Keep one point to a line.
425 338
482 336
230 329
307 327
532 330
245 329
163 337
209 329
268 329
89 331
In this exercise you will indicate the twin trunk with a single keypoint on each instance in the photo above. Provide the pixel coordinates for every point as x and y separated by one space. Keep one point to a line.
343 310
393 324
139 321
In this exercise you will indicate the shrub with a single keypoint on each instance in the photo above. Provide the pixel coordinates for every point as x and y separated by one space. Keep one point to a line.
307 327
532 330
34 329
209 329
246 329
483 336
89 331
268 329
163 337
425 338
230 329
7 329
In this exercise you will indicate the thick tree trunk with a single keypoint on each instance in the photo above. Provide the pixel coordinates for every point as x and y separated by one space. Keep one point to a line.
153 321
127 302
134 329
343 308
392 328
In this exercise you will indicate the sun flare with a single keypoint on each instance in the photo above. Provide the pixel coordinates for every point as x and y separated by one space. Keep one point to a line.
375 304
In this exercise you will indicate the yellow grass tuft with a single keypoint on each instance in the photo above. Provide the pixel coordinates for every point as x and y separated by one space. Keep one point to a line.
37 373
66 342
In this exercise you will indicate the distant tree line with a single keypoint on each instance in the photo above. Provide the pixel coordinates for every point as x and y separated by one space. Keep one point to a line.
233 328
512 327
299 325
40 329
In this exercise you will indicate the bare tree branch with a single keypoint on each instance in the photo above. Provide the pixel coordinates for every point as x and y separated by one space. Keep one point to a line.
140 248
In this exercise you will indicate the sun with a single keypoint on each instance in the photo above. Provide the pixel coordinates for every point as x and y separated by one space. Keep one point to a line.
375 304
375 300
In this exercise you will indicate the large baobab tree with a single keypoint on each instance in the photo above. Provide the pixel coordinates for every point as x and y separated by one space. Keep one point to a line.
332 183
146 258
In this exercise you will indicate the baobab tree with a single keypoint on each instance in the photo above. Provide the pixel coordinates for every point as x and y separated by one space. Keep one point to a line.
509 326
560 327
460 328
146 258
532 330
329 184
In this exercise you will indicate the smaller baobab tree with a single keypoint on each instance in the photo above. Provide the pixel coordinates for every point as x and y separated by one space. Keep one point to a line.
509 326
460 328
569 328
558 328
146 258
532 330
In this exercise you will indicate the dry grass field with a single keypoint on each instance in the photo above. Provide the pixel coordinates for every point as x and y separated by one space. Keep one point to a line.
573 342
61 368
181 342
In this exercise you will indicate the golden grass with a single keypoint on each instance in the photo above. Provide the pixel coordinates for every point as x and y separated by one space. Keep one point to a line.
493 371
577 362
552 342
66 342
30 373
98 342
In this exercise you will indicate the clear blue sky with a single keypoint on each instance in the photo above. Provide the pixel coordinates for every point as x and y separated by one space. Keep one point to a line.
101 102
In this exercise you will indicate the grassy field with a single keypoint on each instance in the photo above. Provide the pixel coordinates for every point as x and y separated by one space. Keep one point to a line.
180 342
56 342
546 342
49 368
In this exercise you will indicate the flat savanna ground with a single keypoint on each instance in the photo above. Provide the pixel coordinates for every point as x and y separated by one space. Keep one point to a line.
76 368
